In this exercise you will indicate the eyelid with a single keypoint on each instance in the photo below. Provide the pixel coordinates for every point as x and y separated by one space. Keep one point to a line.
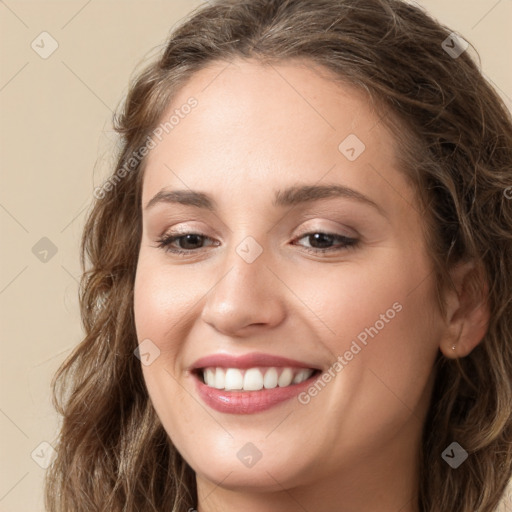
347 233
330 227
347 243
164 244
308 225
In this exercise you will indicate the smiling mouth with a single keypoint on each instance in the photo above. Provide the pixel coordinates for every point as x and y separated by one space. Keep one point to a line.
253 379
250 383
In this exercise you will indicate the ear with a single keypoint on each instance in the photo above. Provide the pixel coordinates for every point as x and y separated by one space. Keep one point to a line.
467 311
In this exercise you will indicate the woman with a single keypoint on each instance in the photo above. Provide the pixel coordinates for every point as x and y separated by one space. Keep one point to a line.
297 280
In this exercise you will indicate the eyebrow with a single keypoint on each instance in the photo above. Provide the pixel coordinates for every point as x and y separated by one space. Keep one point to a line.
291 196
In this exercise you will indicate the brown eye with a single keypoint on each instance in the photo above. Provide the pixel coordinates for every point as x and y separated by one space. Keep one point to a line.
320 240
183 243
324 242
191 241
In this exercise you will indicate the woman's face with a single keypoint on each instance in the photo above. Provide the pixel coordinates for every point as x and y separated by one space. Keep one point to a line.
305 260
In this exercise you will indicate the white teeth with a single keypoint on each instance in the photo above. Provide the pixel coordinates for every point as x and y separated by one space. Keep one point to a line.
254 379
234 379
302 376
298 378
270 379
209 377
219 379
286 377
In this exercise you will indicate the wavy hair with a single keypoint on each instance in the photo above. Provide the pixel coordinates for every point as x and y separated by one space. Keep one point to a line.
454 134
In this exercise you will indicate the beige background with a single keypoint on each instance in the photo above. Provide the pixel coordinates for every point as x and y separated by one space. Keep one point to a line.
55 147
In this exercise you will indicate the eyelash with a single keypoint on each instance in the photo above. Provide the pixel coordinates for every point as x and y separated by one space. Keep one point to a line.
166 240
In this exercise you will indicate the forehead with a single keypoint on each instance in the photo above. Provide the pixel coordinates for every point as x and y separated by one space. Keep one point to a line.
255 124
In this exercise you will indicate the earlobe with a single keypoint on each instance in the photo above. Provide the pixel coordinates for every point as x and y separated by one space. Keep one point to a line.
467 311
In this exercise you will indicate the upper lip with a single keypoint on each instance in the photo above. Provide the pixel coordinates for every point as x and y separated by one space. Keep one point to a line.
247 361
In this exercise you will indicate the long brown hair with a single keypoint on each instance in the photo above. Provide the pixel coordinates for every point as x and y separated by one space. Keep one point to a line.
455 139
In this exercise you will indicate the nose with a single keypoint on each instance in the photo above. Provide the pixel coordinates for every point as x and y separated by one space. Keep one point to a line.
247 297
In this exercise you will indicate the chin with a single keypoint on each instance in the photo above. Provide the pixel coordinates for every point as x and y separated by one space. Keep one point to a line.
262 465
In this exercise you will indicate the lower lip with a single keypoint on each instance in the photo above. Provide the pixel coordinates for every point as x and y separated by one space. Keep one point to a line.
248 402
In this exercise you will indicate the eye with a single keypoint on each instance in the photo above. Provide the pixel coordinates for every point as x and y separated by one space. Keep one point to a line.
323 242
318 242
187 242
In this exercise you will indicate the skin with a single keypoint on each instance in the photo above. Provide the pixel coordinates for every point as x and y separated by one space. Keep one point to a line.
355 446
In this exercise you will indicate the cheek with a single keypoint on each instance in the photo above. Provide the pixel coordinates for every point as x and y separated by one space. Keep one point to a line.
164 301
388 291
382 318
385 327
162 305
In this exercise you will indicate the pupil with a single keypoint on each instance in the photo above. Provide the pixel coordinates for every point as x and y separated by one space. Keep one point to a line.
185 242
320 240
